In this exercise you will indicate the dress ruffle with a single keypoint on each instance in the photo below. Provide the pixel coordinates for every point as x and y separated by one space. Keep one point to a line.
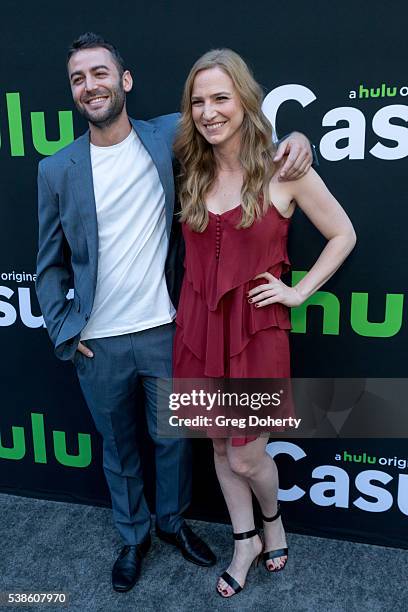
216 319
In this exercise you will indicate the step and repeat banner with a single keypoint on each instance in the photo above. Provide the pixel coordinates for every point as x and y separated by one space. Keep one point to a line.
333 71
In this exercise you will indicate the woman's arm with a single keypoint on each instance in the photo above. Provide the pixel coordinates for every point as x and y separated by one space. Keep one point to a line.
326 214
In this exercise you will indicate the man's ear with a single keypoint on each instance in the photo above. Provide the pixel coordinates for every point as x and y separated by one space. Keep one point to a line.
127 81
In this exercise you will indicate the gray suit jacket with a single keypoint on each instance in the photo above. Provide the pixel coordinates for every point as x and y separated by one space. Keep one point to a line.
68 232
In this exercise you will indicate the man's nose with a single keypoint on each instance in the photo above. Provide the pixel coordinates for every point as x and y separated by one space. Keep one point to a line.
90 83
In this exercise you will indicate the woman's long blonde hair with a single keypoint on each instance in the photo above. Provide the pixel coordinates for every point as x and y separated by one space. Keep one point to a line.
196 157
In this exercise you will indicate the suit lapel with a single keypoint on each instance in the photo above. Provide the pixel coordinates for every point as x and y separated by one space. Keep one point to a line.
159 152
82 187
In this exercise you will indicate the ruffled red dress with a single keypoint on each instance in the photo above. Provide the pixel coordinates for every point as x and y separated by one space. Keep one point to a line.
219 334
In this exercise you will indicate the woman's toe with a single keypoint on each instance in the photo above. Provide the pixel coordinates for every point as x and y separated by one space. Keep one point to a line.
224 588
276 564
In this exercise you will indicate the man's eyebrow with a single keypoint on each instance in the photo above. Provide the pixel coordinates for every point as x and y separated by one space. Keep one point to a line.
93 69
219 93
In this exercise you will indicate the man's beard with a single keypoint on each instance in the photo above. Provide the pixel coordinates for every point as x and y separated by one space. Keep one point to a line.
109 116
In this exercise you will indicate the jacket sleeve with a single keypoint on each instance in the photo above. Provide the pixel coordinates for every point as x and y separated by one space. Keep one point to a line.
53 261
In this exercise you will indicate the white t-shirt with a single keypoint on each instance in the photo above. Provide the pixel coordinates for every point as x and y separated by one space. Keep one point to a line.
131 292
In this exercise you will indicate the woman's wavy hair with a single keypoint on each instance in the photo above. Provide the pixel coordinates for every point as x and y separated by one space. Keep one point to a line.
196 157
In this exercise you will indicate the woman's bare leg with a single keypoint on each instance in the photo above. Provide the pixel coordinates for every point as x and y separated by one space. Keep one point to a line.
238 497
252 463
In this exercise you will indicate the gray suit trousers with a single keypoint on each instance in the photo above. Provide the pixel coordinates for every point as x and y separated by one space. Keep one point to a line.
109 382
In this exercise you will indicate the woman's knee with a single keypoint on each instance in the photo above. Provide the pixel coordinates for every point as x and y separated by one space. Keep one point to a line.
243 466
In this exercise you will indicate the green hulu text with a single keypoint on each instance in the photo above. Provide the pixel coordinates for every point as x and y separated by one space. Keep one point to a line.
17 135
39 445
330 307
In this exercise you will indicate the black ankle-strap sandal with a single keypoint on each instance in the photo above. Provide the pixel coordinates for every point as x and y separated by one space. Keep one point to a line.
230 580
279 552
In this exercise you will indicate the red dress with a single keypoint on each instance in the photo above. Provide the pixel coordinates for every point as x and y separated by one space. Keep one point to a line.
219 334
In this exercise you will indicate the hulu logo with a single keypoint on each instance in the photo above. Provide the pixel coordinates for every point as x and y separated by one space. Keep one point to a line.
38 129
377 92
18 450
330 306
360 458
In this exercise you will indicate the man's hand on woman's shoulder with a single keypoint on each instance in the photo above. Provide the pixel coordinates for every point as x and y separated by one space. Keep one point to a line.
299 157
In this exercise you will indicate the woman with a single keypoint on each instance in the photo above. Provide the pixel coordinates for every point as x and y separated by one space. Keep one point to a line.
233 315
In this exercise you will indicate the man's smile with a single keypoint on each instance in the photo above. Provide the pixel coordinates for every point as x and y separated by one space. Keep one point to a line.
96 102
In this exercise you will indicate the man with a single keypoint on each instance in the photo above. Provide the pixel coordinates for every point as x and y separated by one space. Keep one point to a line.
106 206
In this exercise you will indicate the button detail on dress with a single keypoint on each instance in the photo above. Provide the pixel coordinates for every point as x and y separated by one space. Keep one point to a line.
217 236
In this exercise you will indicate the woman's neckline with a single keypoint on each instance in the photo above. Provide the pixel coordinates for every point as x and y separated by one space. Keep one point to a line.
225 211
210 212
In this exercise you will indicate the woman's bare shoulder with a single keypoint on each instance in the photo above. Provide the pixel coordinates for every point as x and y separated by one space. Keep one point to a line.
281 193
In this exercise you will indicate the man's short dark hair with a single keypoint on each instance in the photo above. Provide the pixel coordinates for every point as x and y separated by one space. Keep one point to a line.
90 40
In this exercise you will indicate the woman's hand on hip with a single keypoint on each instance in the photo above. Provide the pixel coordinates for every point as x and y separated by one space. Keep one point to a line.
272 292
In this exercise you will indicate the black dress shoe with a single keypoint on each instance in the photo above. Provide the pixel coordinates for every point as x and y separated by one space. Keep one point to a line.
192 547
126 569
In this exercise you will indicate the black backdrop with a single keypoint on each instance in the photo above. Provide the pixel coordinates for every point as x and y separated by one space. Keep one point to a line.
332 49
